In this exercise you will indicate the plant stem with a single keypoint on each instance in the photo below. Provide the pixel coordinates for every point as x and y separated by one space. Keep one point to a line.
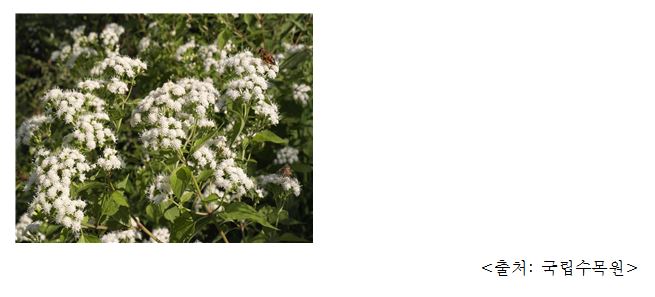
144 229
223 235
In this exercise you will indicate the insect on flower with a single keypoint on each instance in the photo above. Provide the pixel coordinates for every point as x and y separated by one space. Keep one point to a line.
266 56
285 171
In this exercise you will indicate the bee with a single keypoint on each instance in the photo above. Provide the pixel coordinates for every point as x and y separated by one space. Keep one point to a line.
266 56
285 171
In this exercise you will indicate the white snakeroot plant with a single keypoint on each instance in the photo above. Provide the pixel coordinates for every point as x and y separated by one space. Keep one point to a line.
171 145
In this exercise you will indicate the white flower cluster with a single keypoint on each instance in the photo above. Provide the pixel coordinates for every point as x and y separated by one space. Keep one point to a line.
109 160
179 54
252 83
286 155
120 65
162 234
208 55
110 36
287 183
290 49
117 86
268 110
230 181
26 130
126 236
82 45
205 156
160 189
90 84
85 112
27 230
53 176
300 93
172 109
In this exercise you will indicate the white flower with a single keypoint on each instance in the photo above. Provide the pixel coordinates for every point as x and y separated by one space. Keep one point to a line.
52 178
26 130
287 183
286 155
119 65
90 84
109 160
160 189
110 36
230 181
300 93
168 112
28 230
179 54
126 236
162 234
268 110
116 86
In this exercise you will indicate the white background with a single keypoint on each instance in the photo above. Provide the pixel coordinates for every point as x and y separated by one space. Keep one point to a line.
447 136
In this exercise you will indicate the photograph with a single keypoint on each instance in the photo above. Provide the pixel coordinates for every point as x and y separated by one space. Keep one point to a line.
164 128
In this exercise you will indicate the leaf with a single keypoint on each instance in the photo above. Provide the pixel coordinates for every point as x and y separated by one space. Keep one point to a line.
269 136
122 185
186 197
119 198
88 238
183 228
302 168
179 180
241 211
210 198
200 142
109 207
89 185
204 175
223 37
171 214
298 24
150 212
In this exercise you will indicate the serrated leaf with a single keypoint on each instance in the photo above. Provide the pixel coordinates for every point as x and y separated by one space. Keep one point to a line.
171 214
241 211
268 136
119 198
179 180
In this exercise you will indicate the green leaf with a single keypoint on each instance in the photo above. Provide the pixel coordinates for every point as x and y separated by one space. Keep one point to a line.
88 238
269 136
198 143
87 186
122 185
241 211
223 37
204 175
119 198
150 212
302 168
171 214
186 197
210 198
109 207
179 180
183 228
